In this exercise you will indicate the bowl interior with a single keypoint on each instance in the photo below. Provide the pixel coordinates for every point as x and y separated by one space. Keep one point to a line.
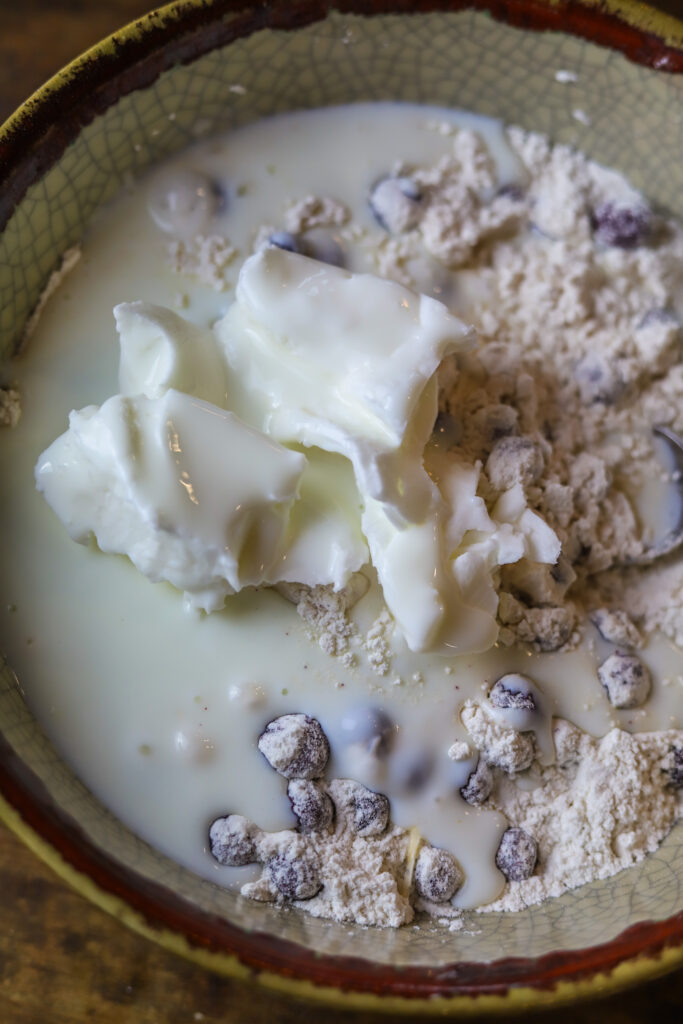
621 114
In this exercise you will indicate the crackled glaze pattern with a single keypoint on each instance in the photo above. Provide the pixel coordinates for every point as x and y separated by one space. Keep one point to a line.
464 60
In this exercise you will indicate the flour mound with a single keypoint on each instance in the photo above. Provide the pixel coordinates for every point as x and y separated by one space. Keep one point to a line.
601 811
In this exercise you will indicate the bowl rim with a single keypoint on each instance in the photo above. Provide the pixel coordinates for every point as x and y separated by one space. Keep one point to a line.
511 984
31 141
34 137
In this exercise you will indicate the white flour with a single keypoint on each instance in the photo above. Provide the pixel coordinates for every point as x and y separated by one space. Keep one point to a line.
315 212
326 612
603 807
577 361
366 880
377 643
204 257
508 749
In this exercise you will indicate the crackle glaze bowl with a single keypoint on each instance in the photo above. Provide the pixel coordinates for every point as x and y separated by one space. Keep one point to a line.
66 151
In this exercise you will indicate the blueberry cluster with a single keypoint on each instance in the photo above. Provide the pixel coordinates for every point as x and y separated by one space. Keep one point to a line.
518 852
516 697
296 746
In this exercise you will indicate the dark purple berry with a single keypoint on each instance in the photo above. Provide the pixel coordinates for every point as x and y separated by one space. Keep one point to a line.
554 626
657 315
562 571
437 875
517 855
494 421
311 805
413 769
622 226
219 192
294 877
232 840
395 204
598 380
616 627
370 812
511 191
285 240
478 787
514 460
675 770
512 691
626 680
370 726
295 746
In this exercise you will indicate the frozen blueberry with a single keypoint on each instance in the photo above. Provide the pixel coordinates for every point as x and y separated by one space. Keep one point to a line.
511 191
562 572
438 875
616 627
285 240
183 202
494 421
514 460
413 769
478 787
548 627
295 877
657 315
232 840
370 811
675 768
295 746
311 805
621 225
626 680
512 691
567 742
370 726
395 204
598 380
536 584
517 855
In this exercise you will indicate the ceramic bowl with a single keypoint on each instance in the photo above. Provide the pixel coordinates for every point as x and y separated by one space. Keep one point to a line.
200 66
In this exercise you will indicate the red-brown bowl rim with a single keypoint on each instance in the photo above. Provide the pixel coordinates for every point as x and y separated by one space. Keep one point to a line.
30 143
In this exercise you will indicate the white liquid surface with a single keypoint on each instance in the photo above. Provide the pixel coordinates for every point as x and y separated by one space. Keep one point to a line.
159 710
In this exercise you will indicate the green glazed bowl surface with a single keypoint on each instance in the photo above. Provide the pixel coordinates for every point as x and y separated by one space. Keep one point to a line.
198 67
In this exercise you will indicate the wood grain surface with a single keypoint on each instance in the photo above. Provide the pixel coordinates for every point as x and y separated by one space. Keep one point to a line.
63 961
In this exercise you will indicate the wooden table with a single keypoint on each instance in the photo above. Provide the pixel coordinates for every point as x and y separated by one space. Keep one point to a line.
63 961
